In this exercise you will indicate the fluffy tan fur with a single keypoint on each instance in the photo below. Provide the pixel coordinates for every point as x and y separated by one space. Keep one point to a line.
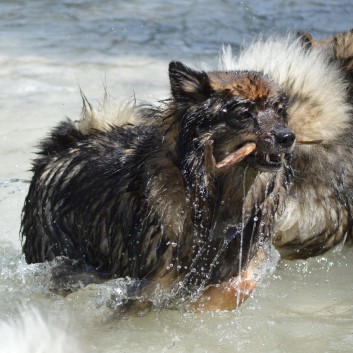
316 79
107 115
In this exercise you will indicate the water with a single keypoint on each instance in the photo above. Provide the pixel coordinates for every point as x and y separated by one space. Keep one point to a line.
47 51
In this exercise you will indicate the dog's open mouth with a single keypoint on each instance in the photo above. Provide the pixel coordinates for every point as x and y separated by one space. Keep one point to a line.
266 161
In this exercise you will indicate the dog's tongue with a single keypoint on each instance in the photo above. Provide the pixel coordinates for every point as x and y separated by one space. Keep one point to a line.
236 156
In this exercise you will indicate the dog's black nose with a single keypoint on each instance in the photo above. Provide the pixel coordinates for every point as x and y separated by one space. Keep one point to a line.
284 137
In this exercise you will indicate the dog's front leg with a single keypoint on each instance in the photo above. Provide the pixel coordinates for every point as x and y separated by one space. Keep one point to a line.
228 295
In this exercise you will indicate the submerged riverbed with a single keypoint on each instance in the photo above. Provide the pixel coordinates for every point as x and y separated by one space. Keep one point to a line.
49 50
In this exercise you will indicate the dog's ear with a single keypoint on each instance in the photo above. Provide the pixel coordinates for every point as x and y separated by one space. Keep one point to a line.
188 85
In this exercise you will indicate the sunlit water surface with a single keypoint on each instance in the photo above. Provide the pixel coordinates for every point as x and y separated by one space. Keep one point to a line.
48 50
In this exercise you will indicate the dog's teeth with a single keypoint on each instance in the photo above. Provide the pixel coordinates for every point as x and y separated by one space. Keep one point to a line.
282 157
267 158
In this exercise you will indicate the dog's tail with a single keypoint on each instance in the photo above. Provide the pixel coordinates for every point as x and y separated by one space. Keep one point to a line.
108 115
93 121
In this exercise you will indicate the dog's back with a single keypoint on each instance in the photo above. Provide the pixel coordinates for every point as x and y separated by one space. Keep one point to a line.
74 192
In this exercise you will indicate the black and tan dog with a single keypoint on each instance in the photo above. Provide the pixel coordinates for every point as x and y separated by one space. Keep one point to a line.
183 197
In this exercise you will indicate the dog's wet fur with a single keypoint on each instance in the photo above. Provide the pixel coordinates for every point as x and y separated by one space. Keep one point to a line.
138 195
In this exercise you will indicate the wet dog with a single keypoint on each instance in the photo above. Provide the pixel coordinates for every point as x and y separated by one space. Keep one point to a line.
184 196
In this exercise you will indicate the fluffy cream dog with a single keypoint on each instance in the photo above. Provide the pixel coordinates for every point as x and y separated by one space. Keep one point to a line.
316 76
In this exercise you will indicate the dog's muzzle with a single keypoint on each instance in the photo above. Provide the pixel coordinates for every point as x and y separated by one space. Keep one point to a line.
270 155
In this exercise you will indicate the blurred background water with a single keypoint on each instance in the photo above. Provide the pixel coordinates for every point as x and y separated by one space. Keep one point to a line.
51 49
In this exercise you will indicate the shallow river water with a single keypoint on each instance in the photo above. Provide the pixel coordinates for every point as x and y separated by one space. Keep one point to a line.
48 51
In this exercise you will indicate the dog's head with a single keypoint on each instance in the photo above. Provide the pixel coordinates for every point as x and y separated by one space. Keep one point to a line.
229 110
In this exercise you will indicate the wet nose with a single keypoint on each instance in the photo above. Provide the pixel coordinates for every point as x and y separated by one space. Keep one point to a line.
284 137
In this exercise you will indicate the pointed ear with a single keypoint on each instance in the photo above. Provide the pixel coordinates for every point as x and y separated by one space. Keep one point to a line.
187 84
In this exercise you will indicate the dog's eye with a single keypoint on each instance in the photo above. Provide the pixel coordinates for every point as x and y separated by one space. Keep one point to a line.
281 110
246 115
279 107
240 120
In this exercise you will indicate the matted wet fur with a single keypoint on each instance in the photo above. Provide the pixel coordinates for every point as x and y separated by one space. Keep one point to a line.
147 201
